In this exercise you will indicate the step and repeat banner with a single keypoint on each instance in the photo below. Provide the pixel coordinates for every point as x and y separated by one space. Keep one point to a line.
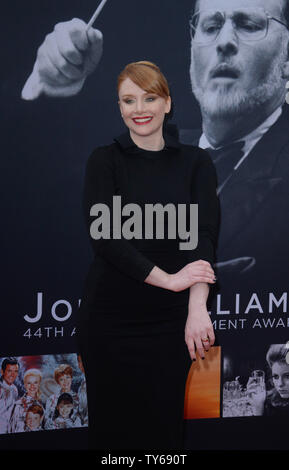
227 65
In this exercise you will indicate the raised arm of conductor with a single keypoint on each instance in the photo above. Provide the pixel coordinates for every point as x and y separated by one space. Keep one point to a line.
64 60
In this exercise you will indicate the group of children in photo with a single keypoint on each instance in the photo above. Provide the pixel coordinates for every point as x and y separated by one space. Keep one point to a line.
64 408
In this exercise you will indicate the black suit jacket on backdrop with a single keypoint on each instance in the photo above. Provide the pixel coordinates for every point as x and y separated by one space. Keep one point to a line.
254 213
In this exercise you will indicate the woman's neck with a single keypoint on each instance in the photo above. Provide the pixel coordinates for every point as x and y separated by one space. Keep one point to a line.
154 142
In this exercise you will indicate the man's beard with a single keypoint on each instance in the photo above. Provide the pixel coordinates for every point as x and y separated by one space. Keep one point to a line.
227 102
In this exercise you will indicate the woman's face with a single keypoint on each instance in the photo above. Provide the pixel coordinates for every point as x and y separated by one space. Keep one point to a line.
32 385
142 112
65 382
280 375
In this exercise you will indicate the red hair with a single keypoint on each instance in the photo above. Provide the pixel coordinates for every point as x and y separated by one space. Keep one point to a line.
147 76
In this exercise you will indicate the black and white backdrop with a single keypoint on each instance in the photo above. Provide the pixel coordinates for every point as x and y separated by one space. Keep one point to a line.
45 145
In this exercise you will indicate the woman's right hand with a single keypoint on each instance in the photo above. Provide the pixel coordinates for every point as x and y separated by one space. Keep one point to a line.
190 274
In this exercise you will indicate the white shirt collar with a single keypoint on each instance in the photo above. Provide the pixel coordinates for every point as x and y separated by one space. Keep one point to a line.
7 386
250 140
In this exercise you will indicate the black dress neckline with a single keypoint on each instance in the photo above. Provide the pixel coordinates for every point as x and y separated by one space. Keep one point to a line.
125 142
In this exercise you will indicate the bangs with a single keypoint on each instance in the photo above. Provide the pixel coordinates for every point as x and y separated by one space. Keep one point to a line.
148 80
147 76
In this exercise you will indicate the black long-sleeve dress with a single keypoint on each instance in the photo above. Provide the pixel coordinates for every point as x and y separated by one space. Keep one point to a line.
131 334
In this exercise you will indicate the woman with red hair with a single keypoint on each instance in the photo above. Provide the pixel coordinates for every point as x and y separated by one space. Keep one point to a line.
143 313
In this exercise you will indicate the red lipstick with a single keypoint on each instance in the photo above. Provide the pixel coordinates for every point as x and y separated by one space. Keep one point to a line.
140 121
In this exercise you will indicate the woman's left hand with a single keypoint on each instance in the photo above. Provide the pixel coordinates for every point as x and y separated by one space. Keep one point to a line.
199 332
